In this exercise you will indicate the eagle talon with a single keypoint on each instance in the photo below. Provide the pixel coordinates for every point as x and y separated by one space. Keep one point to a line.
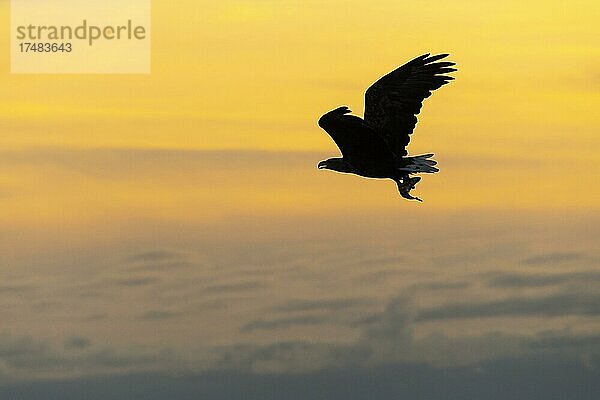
405 185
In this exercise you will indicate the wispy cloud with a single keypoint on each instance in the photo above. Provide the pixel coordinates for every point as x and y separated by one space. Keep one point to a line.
552 258
579 303
541 280
287 322
292 357
26 358
158 315
134 282
234 287
77 343
17 288
160 259
587 343
435 286
330 315
321 304
155 256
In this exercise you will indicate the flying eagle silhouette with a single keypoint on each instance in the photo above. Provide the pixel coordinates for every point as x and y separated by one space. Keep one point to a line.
375 147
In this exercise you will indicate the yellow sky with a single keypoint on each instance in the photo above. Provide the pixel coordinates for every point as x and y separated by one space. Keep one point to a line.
517 129
184 207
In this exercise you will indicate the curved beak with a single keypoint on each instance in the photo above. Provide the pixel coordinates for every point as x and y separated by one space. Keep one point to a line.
322 165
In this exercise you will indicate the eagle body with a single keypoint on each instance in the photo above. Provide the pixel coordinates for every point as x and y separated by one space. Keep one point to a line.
375 147
353 133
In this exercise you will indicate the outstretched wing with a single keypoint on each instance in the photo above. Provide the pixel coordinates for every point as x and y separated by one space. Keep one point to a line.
392 103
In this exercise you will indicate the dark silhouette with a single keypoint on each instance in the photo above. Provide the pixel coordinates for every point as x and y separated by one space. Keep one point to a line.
375 147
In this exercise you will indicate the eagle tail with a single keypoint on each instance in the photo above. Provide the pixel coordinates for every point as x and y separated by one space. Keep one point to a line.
422 163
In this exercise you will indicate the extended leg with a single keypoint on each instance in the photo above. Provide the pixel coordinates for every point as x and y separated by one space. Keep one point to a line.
405 185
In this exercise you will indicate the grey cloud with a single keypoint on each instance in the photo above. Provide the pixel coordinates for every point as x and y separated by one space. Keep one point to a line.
388 337
135 358
541 280
394 322
155 256
17 288
97 288
434 286
287 322
552 258
160 266
11 347
96 317
292 357
321 304
532 378
320 312
367 320
378 276
371 262
559 342
580 303
92 362
156 260
158 315
77 343
390 334
134 282
234 287
25 358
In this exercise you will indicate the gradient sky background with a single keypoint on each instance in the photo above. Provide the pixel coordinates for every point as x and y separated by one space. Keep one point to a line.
169 234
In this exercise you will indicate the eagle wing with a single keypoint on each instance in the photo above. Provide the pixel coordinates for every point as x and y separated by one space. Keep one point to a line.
358 142
393 102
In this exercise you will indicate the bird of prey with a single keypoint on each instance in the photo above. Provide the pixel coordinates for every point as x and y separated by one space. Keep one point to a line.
375 147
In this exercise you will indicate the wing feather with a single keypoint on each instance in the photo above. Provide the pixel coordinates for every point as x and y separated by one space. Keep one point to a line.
393 102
